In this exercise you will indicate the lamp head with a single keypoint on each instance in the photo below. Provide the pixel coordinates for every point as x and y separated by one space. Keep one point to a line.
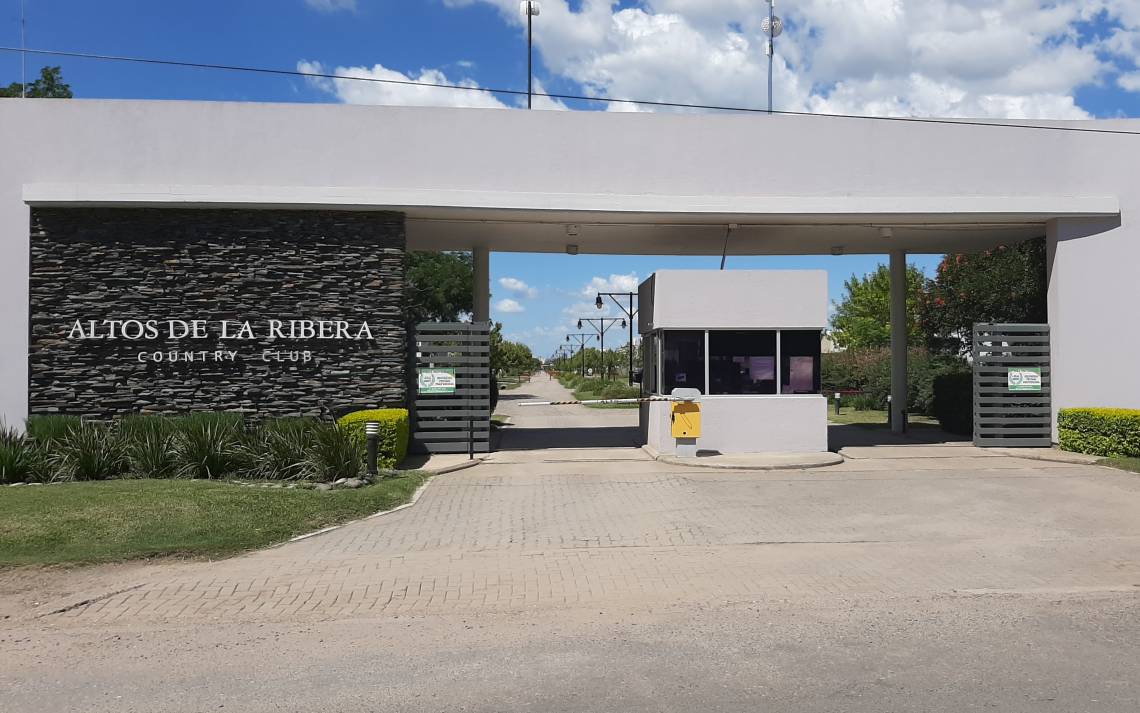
579 324
623 324
598 302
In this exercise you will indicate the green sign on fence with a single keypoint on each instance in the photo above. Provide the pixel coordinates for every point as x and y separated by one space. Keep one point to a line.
436 381
1024 378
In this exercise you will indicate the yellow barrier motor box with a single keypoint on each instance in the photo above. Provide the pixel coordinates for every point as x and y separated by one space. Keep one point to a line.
686 419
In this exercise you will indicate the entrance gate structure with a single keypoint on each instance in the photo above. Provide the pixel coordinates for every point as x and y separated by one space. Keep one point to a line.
1012 385
450 415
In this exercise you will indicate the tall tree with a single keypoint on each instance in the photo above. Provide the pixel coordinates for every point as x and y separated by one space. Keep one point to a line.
439 286
49 86
863 318
1006 284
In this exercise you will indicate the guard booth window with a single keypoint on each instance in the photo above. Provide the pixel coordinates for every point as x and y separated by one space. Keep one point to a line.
742 362
682 360
800 361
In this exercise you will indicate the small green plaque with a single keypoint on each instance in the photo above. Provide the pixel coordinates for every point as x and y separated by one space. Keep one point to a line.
1023 378
436 381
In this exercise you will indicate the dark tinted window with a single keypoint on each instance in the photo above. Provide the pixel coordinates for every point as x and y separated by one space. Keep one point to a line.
799 361
742 362
683 361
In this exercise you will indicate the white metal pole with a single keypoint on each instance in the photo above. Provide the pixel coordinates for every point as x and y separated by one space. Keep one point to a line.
771 48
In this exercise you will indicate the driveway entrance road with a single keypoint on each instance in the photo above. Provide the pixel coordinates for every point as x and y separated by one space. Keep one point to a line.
567 579
566 527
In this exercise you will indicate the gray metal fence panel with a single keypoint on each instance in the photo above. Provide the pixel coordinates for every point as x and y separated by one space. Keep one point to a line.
459 421
1012 408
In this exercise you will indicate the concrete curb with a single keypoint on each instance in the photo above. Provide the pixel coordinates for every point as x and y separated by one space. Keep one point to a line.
1047 454
785 462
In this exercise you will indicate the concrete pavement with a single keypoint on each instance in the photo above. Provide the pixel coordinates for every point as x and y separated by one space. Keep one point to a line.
909 577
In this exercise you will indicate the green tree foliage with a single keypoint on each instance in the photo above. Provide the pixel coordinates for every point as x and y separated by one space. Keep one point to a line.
1006 284
49 86
509 357
440 286
863 318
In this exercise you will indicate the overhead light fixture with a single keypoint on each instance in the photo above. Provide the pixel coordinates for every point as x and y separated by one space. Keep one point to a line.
886 233
579 324
573 229
837 250
598 302
571 249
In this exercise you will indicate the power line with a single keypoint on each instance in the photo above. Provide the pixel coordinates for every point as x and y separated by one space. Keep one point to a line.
569 97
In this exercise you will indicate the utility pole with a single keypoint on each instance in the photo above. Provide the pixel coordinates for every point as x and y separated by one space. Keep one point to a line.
771 26
23 46
530 9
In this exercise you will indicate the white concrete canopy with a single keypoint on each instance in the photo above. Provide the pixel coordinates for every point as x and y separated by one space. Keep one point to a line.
507 180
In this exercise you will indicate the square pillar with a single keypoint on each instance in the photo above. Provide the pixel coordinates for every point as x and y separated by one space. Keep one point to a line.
481 258
898 339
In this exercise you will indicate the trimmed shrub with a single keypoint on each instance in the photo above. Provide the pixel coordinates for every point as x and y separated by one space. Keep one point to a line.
335 452
954 402
869 371
90 451
1109 432
392 446
619 390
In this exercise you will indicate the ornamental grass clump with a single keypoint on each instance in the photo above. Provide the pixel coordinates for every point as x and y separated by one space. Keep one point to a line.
89 451
211 445
279 449
333 453
20 460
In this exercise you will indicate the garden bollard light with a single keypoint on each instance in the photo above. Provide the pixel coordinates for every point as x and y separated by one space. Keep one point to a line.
838 396
372 432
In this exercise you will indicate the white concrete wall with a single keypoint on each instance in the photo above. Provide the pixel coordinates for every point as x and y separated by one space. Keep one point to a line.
736 299
764 164
746 424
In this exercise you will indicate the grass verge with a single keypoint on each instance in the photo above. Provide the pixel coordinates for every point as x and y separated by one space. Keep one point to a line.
1132 464
874 418
109 521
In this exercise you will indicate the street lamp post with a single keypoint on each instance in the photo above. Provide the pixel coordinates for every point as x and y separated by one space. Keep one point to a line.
630 314
771 26
581 339
601 325
530 9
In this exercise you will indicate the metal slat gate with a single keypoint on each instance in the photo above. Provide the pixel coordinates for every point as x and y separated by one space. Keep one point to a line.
460 420
1012 385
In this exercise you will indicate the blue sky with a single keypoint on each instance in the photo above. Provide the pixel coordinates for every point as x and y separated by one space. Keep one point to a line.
991 58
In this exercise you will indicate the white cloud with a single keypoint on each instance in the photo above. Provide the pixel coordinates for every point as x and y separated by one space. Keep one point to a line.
353 91
518 287
613 283
332 5
986 58
509 306
1129 82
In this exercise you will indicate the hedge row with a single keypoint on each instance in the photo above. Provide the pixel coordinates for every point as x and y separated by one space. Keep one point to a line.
1109 432
393 442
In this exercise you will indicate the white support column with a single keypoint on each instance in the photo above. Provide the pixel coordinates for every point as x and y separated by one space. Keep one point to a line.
482 287
898 339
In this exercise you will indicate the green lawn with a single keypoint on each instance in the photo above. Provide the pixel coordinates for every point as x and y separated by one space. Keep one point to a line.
873 418
81 523
1132 464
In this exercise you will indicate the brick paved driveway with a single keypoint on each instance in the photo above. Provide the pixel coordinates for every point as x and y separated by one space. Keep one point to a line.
577 527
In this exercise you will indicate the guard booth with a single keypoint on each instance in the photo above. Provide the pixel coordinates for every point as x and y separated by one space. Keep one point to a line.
749 342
